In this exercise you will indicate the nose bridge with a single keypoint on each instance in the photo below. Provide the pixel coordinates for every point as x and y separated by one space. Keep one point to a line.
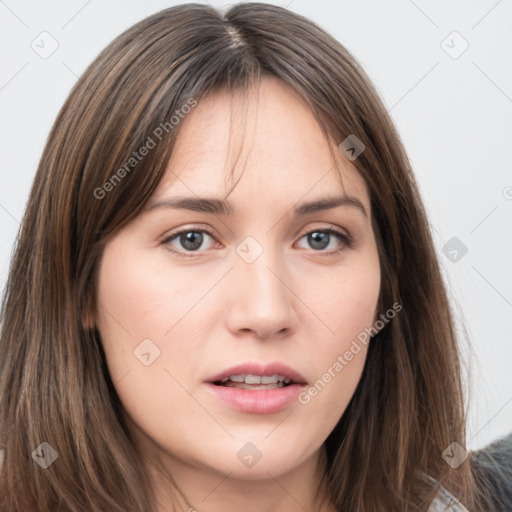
263 302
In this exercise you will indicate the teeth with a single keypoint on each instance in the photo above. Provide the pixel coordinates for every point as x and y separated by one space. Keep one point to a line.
253 387
272 379
257 379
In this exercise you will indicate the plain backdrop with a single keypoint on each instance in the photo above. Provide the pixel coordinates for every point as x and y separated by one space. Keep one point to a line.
443 69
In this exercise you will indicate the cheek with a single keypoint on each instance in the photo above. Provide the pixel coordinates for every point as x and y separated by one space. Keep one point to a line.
130 290
357 302
133 305
138 300
355 314
348 298
141 297
349 302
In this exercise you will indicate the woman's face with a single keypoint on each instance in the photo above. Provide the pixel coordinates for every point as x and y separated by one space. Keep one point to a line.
178 312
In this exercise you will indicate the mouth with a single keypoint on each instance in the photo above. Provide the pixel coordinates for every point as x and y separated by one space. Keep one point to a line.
248 381
254 375
257 388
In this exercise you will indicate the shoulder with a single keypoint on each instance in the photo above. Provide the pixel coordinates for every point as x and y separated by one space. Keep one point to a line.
492 469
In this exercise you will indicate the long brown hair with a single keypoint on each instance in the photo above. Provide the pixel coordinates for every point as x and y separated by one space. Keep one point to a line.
54 384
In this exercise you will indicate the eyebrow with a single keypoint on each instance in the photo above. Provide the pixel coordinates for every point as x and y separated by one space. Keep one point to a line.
225 207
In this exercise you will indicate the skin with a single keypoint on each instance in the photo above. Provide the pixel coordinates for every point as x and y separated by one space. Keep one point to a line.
204 312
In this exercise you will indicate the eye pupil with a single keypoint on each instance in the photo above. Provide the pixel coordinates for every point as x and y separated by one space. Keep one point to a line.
195 238
315 239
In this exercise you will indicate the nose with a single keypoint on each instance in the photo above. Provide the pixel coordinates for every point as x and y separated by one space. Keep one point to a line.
262 301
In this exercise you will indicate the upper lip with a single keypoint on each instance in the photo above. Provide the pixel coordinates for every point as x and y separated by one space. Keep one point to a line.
263 369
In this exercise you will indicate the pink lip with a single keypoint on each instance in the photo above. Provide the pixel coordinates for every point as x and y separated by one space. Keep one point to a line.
261 401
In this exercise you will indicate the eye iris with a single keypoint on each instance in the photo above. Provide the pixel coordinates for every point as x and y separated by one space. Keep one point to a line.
192 237
316 238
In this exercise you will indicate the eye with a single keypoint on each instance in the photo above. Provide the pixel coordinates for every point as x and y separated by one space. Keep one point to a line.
191 240
319 239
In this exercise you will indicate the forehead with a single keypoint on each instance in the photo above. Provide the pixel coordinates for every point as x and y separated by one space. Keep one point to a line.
270 135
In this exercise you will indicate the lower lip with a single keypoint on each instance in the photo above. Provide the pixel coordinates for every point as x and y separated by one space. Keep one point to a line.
261 401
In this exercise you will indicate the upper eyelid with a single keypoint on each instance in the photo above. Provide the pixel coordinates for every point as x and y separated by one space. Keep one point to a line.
212 232
197 228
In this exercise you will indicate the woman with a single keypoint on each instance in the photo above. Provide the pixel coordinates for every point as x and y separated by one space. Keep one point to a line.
180 337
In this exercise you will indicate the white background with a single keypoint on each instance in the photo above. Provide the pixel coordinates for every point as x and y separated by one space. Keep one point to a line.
454 115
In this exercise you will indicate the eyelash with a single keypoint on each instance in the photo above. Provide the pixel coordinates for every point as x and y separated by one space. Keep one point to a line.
345 238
